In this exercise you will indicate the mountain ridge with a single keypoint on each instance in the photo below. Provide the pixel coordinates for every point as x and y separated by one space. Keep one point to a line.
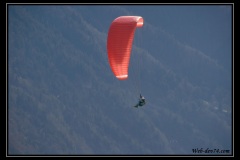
63 98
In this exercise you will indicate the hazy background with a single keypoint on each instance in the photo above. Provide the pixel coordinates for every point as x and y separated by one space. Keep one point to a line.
63 98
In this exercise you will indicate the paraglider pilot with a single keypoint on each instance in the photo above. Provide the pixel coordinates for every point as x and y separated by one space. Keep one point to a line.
141 102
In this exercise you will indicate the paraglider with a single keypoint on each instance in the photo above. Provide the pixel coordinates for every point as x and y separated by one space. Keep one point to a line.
119 45
141 102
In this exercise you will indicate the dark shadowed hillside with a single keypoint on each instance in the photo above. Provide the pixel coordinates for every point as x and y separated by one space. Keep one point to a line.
64 100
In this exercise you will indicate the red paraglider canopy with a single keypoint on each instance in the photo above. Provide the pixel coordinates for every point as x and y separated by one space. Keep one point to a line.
119 43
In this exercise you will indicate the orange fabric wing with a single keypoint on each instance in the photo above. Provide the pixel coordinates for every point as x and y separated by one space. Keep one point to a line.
119 43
